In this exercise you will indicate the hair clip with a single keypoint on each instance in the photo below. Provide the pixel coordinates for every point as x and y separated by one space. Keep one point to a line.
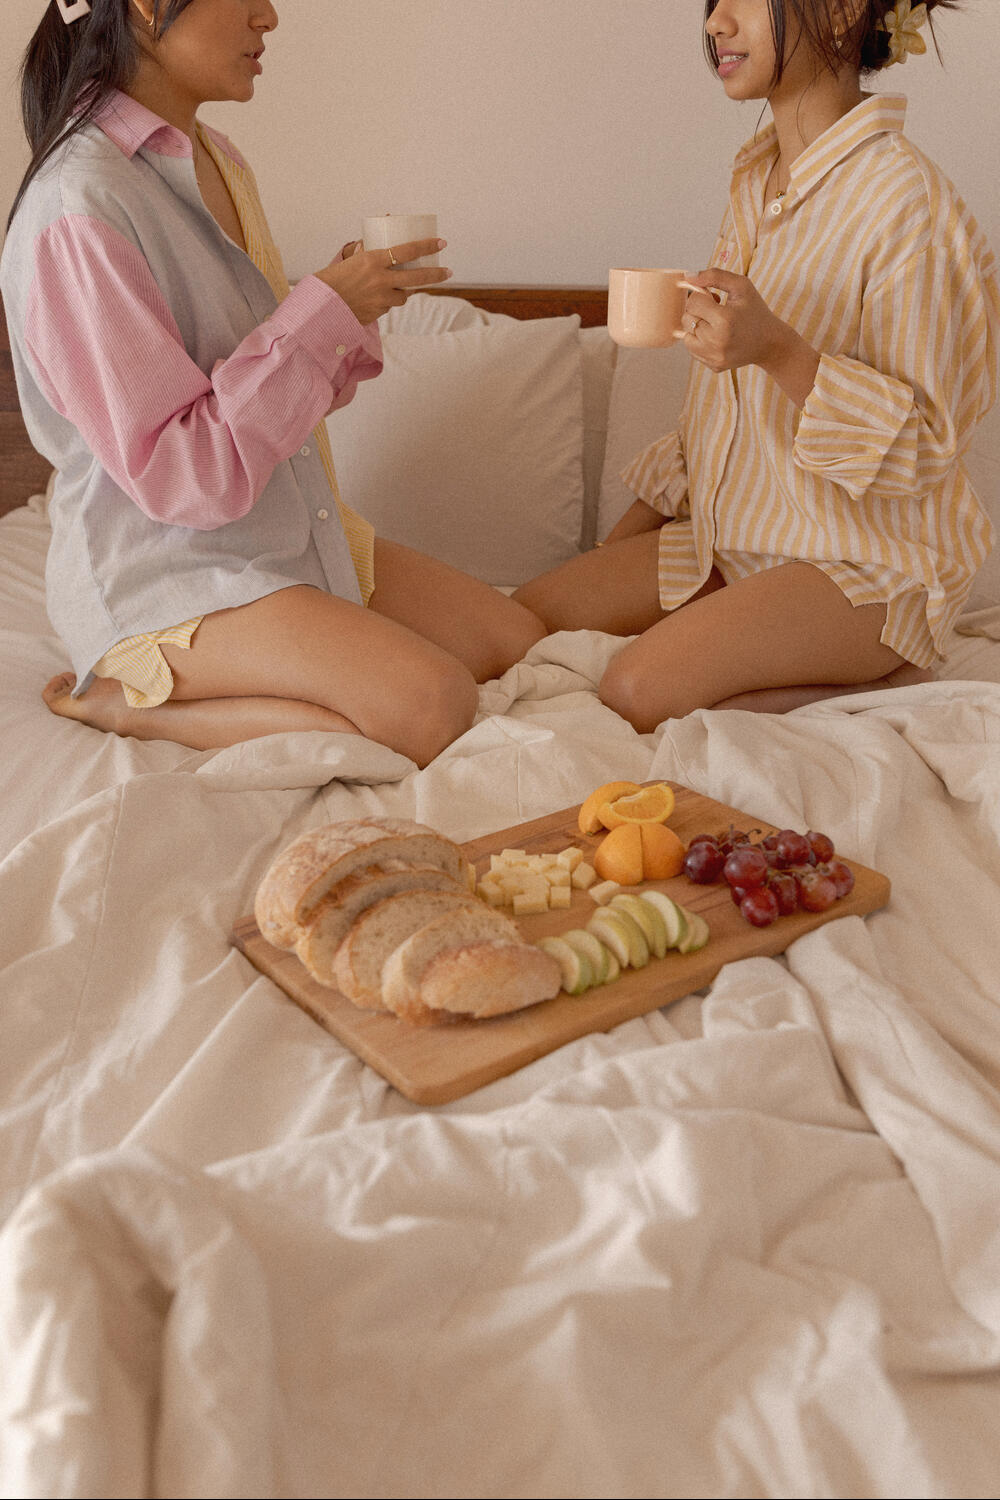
73 10
903 24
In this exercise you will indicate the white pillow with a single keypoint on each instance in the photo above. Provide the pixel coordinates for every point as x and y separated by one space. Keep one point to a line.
598 352
647 393
422 313
469 444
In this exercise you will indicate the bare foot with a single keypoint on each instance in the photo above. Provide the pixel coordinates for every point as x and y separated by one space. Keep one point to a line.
199 724
783 700
102 706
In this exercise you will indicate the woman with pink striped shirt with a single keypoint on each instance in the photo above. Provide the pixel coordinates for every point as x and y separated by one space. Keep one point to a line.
809 529
207 579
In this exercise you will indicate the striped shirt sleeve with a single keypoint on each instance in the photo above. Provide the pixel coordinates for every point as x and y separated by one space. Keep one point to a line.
894 421
659 476
190 449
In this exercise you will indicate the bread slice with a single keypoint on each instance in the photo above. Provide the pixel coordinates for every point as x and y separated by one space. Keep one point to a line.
358 962
305 871
467 963
329 923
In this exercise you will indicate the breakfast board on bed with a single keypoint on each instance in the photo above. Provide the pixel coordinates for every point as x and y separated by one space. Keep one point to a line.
438 1063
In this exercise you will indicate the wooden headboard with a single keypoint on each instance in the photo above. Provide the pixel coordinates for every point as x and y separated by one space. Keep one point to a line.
23 472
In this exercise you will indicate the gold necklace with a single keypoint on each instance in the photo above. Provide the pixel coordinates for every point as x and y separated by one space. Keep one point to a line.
775 206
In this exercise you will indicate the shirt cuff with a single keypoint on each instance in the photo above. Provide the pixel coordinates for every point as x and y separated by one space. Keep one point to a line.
659 476
322 323
852 417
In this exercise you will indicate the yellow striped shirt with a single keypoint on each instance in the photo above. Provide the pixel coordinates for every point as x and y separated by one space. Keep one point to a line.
875 260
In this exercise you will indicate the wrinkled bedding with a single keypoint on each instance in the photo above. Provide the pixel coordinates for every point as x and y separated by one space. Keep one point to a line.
745 1246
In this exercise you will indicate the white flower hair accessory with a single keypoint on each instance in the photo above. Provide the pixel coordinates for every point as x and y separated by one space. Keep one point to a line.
73 10
903 24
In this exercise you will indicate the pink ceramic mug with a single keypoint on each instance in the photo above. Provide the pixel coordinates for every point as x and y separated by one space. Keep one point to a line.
646 305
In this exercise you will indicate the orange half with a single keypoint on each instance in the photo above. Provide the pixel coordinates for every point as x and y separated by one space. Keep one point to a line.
663 853
619 855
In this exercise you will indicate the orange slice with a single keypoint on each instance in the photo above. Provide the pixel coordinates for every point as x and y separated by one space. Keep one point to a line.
663 853
650 804
619 855
589 820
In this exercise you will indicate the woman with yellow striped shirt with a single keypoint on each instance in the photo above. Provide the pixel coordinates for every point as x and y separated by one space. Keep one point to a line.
810 528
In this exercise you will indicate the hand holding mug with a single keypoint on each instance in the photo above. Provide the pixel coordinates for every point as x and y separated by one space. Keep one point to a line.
727 323
372 281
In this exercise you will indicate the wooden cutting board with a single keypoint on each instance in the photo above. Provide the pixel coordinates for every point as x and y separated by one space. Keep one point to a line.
435 1064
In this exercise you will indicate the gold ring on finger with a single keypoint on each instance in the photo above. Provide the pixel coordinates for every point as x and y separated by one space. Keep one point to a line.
392 259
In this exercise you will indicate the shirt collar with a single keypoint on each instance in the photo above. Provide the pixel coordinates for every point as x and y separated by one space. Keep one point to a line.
873 116
131 126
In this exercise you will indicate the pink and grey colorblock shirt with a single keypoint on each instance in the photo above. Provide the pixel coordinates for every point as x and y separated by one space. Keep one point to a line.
172 394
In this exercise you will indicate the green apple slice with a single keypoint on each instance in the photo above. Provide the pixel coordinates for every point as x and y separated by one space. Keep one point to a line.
622 934
673 915
649 918
614 967
697 933
593 950
576 972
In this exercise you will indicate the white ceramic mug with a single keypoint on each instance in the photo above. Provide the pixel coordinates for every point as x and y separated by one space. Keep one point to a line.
646 305
383 231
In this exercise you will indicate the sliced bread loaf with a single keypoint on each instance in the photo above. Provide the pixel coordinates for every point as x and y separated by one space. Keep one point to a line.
305 871
466 963
375 933
329 923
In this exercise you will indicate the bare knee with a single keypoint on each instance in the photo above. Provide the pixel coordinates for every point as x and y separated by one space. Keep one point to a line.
436 713
626 688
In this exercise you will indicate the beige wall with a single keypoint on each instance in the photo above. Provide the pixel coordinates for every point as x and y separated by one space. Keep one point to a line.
553 137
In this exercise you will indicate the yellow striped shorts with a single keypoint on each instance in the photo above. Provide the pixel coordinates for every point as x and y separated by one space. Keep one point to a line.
141 667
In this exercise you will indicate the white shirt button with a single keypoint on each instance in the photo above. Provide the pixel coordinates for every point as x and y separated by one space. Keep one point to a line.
323 514
341 348
305 451
776 209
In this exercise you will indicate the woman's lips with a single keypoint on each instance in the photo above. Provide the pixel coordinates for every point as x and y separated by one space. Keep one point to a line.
729 62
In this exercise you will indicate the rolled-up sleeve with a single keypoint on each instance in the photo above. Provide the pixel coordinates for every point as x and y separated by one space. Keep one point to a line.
659 476
190 449
893 421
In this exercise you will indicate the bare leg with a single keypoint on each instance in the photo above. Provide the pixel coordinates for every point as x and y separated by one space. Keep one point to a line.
613 588
324 663
783 700
199 723
484 629
788 628
403 672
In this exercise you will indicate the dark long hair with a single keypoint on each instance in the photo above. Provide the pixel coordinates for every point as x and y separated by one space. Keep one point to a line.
865 43
68 71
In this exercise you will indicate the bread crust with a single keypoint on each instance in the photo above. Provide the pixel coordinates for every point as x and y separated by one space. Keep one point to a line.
485 951
330 922
378 932
479 980
381 910
307 869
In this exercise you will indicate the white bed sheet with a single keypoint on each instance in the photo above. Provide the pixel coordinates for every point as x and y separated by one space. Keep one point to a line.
745 1246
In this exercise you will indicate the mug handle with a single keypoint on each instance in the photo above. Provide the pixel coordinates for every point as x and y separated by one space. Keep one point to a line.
720 296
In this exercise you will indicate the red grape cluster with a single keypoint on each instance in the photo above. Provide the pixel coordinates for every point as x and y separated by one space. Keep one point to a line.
784 872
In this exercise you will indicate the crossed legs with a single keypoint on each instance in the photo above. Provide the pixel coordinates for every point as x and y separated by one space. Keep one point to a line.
769 642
